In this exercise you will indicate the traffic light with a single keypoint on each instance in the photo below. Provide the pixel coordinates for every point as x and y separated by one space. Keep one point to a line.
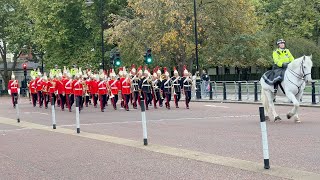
24 65
117 60
111 60
148 57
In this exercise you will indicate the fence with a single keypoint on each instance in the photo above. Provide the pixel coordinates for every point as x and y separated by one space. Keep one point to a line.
249 91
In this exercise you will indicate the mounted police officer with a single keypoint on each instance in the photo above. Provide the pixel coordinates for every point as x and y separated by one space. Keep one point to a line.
281 58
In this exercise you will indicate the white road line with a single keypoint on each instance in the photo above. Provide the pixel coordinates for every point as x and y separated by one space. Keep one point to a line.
160 120
217 106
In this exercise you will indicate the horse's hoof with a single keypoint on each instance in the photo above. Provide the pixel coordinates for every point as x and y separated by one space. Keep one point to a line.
267 118
297 121
289 115
277 119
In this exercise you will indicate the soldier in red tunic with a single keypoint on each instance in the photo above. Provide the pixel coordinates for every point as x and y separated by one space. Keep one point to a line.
33 91
45 90
39 88
126 90
13 89
78 89
102 91
61 91
94 89
69 91
121 78
114 86
52 88
87 81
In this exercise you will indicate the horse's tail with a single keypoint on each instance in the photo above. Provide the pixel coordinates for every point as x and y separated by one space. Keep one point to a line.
264 100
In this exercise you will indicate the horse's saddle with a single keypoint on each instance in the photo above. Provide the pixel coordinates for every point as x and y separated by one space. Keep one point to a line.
273 76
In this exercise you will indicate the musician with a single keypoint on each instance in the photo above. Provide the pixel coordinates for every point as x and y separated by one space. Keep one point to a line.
52 88
33 90
114 86
102 91
94 89
121 79
87 89
166 87
160 79
45 90
126 90
78 89
176 82
135 79
145 86
156 85
186 84
61 91
68 81
39 88
13 90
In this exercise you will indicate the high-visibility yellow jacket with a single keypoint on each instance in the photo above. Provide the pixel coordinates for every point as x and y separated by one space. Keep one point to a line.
281 56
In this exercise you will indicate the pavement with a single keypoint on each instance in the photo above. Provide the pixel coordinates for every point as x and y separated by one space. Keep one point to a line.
208 141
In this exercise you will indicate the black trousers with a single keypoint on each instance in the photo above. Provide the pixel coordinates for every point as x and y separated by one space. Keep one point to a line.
40 98
62 100
177 97
115 100
14 97
53 98
34 97
46 99
188 96
95 99
103 101
79 98
126 100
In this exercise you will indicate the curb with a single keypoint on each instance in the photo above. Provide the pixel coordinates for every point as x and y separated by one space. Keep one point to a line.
249 102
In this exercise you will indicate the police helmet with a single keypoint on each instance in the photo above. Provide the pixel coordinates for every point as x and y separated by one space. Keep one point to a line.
280 41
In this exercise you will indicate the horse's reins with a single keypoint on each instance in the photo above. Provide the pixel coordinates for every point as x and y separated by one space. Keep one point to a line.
298 75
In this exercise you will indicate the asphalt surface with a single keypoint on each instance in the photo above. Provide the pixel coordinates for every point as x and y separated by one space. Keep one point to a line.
219 129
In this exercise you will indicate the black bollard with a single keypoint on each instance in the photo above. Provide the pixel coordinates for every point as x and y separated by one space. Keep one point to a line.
224 91
144 121
239 91
210 92
265 147
255 91
313 95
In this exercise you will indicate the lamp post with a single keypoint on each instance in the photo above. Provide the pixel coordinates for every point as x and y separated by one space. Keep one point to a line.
198 87
89 3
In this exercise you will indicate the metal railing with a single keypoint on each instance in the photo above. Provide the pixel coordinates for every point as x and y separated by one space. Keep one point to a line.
249 91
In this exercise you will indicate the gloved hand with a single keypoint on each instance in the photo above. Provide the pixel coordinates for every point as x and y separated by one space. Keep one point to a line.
285 65
9 92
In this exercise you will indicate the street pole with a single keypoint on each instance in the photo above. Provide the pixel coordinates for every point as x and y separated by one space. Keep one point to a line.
102 43
198 87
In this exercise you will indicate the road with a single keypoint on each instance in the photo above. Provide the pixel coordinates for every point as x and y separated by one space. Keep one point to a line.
208 141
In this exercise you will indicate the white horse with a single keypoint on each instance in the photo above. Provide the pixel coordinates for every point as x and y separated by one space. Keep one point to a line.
296 76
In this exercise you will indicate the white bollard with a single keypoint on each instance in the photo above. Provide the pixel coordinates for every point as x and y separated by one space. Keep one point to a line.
53 113
265 147
144 121
77 114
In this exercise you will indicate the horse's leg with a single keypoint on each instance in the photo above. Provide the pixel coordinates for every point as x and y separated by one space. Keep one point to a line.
265 104
270 97
295 100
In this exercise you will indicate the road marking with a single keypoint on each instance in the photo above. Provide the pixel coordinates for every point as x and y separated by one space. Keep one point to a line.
278 171
36 113
160 120
217 106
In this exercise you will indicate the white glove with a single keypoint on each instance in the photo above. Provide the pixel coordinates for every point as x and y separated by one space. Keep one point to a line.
18 90
9 92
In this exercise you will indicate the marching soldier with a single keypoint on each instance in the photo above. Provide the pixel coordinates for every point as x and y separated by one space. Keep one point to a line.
88 90
39 88
33 90
45 90
135 79
13 90
126 90
186 84
121 79
78 89
145 86
94 89
102 90
114 86
166 87
156 85
160 79
69 91
52 88
61 91
176 82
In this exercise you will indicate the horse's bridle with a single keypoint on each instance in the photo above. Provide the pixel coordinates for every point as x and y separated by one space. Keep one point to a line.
302 77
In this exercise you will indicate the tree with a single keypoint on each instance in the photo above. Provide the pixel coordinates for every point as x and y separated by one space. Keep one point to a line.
15 33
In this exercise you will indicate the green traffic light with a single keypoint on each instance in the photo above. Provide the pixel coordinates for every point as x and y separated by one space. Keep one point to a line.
149 60
118 63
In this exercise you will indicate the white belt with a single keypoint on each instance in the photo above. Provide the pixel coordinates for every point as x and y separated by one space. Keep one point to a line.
135 84
13 87
176 84
126 86
146 85
167 87
114 88
68 87
187 85
77 89
102 88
